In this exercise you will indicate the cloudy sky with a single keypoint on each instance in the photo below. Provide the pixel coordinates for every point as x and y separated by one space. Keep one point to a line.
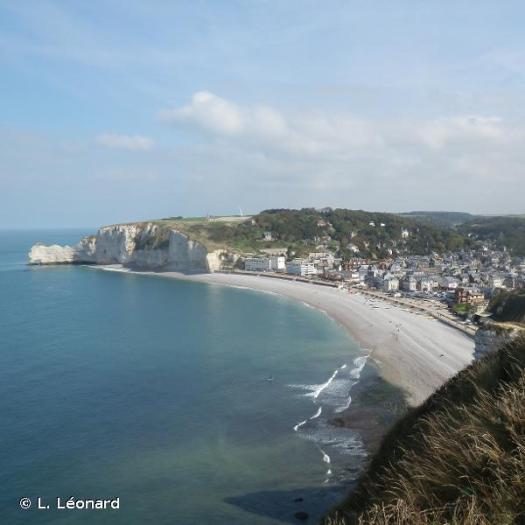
123 110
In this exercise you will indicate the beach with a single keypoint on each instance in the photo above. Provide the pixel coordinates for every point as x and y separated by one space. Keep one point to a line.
411 351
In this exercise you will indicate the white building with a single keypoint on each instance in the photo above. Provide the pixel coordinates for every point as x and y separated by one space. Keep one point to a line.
276 263
257 264
390 283
301 267
496 281
449 283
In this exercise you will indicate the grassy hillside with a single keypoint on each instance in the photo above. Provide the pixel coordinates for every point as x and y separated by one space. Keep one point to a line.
301 231
457 459
509 307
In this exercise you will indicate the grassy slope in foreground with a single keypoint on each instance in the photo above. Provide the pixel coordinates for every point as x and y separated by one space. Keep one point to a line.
457 459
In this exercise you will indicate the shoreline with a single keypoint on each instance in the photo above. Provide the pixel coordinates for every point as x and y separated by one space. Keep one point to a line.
411 351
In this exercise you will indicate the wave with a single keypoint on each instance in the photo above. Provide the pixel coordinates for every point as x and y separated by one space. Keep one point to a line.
344 407
335 391
359 363
302 423
326 457
299 425
333 394
317 414
318 391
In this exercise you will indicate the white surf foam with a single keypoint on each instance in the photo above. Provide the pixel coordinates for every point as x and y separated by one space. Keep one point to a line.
317 414
316 393
359 364
299 425
326 457
345 406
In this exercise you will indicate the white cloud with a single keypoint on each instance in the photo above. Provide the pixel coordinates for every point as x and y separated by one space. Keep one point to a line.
317 134
439 132
209 113
128 142
317 156
267 128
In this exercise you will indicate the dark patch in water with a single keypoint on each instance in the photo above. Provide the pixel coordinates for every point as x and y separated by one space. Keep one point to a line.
285 504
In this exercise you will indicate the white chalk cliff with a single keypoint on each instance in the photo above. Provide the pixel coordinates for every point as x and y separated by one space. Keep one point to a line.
144 246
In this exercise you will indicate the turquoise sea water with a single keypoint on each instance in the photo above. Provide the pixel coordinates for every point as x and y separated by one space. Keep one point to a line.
156 391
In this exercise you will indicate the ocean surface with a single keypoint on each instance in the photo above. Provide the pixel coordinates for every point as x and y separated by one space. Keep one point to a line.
191 403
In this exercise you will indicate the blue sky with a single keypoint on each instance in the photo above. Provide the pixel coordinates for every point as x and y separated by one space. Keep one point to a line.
127 110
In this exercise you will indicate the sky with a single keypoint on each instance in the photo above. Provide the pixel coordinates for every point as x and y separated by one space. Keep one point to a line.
122 110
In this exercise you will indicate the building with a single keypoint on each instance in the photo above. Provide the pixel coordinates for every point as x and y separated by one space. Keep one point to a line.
469 296
496 281
257 264
276 263
390 283
449 283
301 267
409 284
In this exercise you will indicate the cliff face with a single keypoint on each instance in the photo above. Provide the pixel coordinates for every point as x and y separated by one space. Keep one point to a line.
143 246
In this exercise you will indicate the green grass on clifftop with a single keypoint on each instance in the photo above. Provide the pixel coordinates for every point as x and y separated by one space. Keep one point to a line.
457 459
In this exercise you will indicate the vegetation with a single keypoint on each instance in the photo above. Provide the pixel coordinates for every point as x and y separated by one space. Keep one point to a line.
159 240
444 218
341 230
506 232
457 459
461 309
508 306
352 233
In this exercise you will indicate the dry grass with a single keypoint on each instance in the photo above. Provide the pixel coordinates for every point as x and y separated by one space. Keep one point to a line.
457 459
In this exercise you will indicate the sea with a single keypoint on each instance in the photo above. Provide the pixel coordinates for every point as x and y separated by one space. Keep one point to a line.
191 403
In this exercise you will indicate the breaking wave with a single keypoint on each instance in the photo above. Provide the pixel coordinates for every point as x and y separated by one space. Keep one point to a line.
333 397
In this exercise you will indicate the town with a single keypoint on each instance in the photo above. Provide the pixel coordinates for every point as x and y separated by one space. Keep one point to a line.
459 284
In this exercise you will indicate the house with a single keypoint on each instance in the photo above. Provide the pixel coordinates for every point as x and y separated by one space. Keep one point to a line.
464 295
352 247
425 284
449 283
390 283
363 272
496 281
352 276
408 283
